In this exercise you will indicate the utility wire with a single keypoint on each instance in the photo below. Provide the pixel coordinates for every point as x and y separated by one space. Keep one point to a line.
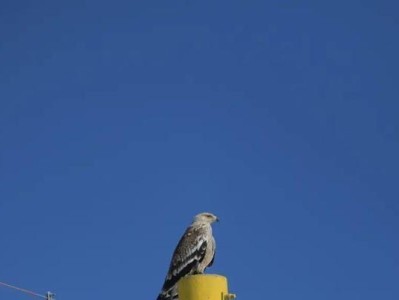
23 290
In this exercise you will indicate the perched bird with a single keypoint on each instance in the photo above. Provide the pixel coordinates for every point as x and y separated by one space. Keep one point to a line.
193 254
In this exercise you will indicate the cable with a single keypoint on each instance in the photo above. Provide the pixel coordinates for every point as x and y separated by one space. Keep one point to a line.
23 290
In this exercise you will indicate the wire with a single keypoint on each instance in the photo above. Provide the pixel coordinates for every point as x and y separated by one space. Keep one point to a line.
23 290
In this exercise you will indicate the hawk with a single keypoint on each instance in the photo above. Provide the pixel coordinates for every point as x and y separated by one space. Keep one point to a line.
193 254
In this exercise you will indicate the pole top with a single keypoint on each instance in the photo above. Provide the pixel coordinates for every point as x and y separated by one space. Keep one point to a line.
204 286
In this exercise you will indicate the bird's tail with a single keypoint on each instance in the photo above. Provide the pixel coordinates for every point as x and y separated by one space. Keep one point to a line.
168 296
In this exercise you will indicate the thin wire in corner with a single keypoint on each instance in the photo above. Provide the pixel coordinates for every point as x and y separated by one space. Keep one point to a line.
24 290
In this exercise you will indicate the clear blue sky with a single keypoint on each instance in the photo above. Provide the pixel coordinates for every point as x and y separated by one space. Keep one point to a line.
120 120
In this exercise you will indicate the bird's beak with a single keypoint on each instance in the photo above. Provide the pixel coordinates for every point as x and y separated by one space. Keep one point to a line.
217 220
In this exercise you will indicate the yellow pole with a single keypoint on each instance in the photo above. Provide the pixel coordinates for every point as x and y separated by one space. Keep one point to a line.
204 287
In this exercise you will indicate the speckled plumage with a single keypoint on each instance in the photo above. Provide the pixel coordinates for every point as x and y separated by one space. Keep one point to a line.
193 254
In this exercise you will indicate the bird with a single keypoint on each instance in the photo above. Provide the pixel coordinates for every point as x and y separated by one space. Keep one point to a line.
192 255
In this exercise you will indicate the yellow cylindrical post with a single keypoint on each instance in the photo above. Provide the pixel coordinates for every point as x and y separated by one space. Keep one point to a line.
204 287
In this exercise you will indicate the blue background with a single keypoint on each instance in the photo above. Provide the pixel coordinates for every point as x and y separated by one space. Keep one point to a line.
121 120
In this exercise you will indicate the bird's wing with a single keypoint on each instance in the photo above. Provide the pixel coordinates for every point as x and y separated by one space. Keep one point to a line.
189 252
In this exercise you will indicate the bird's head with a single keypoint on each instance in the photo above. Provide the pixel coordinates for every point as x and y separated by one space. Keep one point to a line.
205 217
